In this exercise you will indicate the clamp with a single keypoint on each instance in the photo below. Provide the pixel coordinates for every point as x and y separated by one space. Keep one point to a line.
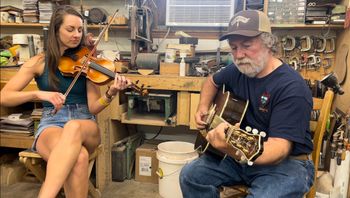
329 61
331 45
294 63
308 43
311 62
288 43
320 44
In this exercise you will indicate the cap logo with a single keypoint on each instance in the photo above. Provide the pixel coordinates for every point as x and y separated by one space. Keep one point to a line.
239 19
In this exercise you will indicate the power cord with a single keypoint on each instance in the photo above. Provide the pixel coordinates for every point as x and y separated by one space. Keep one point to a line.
159 131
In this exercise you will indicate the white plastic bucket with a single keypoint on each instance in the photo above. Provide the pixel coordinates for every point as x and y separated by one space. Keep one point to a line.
172 156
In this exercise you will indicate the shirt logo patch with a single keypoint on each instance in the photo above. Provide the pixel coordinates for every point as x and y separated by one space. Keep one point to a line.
264 101
239 19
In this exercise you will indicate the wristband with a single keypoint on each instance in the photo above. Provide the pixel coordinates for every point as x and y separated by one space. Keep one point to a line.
103 101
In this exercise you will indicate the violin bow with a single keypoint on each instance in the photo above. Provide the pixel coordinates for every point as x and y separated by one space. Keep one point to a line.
86 60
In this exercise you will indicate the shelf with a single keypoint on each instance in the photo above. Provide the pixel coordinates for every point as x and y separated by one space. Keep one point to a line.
305 26
8 73
172 83
208 33
145 119
39 25
215 33
16 141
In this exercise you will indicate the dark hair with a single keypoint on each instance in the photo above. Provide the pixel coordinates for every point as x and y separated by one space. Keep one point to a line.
53 53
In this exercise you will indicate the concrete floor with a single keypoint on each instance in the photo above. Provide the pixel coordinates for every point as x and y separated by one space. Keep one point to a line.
126 189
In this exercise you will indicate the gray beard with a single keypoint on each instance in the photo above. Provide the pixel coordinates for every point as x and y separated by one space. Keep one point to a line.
252 67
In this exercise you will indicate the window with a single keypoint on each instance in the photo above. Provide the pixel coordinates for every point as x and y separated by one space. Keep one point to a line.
201 13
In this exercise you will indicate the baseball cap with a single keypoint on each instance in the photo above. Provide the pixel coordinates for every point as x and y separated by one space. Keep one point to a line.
248 23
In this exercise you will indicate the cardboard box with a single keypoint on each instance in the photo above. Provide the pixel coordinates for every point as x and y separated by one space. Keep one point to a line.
171 69
146 163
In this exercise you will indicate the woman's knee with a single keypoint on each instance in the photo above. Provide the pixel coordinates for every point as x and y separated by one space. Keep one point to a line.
72 130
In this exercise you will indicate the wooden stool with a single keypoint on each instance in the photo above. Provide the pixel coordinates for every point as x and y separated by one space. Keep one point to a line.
37 165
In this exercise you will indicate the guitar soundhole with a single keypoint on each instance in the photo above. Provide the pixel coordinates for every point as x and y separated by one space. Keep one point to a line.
234 111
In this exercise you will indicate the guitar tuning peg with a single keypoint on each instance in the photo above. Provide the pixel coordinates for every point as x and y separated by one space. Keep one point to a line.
255 131
243 159
237 152
248 128
262 133
250 163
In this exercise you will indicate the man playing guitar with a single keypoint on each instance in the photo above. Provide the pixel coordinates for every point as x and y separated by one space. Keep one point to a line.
279 104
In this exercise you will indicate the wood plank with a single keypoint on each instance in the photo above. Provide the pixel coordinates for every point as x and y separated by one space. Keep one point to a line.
317 103
194 104
151 119
183 108
8 73
16 141
313 125
215 33
173 83
29 153
30 87
39 25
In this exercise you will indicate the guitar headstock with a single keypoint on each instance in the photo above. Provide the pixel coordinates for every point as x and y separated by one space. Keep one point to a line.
249 143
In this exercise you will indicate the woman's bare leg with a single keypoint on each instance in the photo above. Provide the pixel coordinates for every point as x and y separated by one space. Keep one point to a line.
77 182
63 151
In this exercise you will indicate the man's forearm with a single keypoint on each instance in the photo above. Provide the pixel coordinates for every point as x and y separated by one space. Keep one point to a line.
208 93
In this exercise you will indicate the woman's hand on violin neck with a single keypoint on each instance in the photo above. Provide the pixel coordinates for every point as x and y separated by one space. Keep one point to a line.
57 99
120 83
89 41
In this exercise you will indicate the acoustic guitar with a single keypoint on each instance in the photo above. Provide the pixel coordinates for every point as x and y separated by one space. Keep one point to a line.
229 108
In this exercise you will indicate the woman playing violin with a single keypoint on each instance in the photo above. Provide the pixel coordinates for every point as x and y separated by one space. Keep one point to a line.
64 139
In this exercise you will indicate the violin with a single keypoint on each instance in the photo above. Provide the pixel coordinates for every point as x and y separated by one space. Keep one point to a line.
97 70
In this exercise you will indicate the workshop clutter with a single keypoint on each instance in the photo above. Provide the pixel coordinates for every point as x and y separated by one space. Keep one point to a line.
179 58
160 104
306 11
335 182
313 56
308 52
29 45
123 157
10 14
286 11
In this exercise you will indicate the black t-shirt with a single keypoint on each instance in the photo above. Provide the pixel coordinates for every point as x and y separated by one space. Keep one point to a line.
279 104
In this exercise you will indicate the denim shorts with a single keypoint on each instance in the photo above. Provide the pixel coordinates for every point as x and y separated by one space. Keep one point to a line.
66 113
